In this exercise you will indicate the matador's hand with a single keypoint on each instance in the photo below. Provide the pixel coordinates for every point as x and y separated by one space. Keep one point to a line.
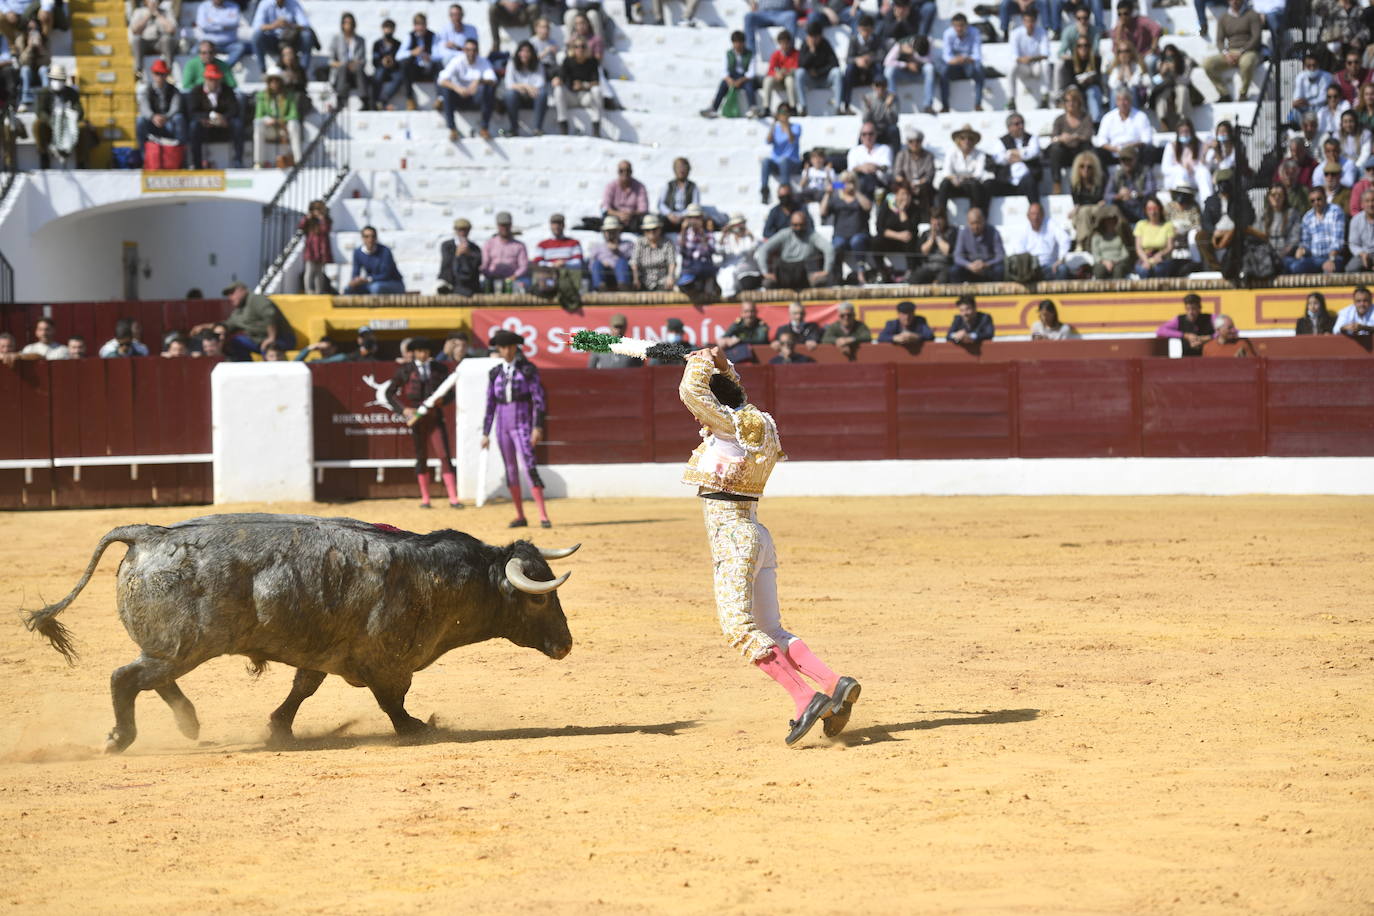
536 436
486 440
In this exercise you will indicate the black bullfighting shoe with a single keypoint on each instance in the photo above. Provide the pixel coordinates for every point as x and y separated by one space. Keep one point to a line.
842 701
816 709
518 523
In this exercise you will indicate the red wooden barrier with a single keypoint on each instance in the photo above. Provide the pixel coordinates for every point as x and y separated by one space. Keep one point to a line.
1202 408
1079 409
1320 407
954 411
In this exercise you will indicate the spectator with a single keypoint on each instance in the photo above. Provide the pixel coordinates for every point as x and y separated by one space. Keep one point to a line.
275 116
1351 77
217 22
579 86
1141 33
1227 341
559 251
193 70
57 103
807 334
159 109
45 343
317 228
547 48
1018 164
780 217
591 11
1354 139
961 57
417 59
1042 241
324 351
697 256
348 64
1332 155
1356 319
847 333
738 269
449 40
935 251
1017 8
619 325
281 22
978 254
1192 326
654 265
966 172
1048 326
1072 136
818 178
1183 162
970 326
882 109
124 342
151 31
612 255
1221 152
1082 72
781 77
455 348
508 14
1323 233
907 60
211 345
1316 320
797 249
504 258
214 112
177 348
374 268
1310 87
1361 238
1131 185
295 82
818 67
9 349
1281 224
680 194
1123 127
1238 44
468 82
787 354
460 263
582 30
1172 94
904 19
1111 256
1154 242
907 328
1126 72
768 14
862 60
525 86
784 156
848 210
625 198
388 76
1222 213
915 165
32 54
898 228
76 347
1031 46
738 78
747 330
1184 215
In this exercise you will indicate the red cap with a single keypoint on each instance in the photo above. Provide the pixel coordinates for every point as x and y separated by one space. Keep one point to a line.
160 66
213 72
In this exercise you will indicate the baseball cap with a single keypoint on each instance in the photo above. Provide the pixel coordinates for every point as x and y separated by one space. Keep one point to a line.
503 218
906 308
674 324
233 286
618 320
213 72
461 223
160 67
556 218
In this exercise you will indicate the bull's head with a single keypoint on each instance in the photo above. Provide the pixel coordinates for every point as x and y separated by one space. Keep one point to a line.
532 594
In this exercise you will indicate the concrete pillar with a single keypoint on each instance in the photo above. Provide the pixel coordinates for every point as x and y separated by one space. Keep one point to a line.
263 436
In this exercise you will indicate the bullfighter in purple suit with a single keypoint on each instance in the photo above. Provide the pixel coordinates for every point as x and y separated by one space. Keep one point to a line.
515 399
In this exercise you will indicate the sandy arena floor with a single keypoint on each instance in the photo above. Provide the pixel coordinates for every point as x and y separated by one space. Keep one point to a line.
1070 706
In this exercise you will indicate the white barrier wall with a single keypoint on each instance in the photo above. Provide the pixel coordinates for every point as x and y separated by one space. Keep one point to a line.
262 432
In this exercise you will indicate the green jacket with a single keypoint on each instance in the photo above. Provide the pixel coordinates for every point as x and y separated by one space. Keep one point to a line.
193 74
279 107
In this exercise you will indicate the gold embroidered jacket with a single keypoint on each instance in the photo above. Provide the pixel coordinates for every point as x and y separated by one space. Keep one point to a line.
739 447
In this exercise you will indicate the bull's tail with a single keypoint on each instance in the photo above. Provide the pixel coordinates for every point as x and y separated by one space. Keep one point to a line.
45 621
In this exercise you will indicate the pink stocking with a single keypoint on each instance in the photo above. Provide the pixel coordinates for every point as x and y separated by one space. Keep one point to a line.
451 485
776 667
811 666
519 501
539 502
424 488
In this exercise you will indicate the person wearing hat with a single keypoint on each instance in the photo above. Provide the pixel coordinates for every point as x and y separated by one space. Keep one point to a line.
610 263
160 109
618 325
966 172
737 270
654 265
559 251
1338 194
374 268
1184 213
515 414
504 258
275 115
696 256
1130 185
907 328
214 112
1225 212
280 22
151 32
414 381
61 127
460 263
253 322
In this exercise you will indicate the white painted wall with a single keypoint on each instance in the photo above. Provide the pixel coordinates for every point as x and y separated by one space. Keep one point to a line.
262 433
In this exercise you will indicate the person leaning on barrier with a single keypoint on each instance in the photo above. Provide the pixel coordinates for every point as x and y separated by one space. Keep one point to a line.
970 326
907 328
847 333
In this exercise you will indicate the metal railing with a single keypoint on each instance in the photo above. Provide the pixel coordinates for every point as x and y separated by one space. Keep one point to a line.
1264 134
6 280
323 167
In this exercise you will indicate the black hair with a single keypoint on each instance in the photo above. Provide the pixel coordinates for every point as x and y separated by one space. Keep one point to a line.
816 26
966 298
1193 299
457 335
388 22
737 35
959 17
921 45
727 391
124 327
1048 304
865 21
194 293
1361 289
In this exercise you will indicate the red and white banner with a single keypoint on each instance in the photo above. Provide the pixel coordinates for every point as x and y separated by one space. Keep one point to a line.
548 332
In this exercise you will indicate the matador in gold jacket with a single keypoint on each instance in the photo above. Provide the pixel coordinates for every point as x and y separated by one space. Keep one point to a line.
739 448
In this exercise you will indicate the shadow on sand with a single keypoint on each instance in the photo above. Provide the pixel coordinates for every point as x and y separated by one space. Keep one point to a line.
875 734
441 735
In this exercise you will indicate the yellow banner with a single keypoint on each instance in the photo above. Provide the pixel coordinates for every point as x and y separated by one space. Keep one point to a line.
183 180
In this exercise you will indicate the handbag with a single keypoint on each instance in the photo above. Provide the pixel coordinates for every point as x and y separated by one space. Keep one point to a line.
544 281
1023 268
730 107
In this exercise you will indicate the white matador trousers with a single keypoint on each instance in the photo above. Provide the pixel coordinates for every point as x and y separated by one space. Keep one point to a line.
746 577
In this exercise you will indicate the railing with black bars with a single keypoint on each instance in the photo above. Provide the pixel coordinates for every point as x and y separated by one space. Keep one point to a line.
323 167
1264 134
6 280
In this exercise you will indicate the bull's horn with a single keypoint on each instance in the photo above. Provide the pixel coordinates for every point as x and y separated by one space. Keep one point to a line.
557 553
515 574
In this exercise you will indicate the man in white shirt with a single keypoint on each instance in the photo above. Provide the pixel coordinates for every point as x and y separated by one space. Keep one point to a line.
870 161
1020 160
278 19
1123 126
1030 43
468 81
449 41
1356 319
45 341
1046 242
965 172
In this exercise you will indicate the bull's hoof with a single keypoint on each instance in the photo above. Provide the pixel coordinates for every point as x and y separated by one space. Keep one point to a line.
188 724
117 741
411 727
280 736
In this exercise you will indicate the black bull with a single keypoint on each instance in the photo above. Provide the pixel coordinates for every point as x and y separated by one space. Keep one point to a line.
369 603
